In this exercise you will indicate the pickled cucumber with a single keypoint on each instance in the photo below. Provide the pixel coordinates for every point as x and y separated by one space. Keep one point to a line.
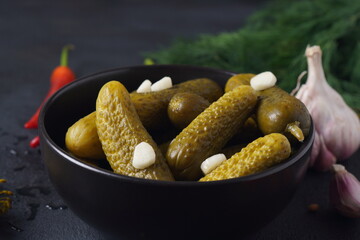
237 80
208 132
278 111
120 130
82 139
185 107
259 155
152 106
249 131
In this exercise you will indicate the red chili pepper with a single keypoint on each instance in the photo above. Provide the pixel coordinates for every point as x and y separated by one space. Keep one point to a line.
60 76
35 142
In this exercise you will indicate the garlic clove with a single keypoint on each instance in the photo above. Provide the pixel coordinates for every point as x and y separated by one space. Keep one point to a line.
144 156
315 149
144 87
321 158
212 162
263 81
162 84
345 192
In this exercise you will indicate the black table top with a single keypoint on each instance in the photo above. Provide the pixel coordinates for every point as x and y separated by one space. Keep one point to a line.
111 34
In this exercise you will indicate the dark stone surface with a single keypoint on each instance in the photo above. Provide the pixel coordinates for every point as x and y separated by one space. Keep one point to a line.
111 34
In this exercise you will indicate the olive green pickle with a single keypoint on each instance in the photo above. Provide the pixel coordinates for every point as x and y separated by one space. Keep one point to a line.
185 107
278 111
120 130
209 132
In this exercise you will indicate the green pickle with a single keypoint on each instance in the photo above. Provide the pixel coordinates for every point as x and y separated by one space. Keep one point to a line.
278 111
185 107
209 132
237 80
152 106
120 130
82 139
257 156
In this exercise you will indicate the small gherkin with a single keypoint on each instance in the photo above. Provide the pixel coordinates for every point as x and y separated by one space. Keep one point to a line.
257 156
237 80
120 130
207 134
185 107
277 111
82 140
152 106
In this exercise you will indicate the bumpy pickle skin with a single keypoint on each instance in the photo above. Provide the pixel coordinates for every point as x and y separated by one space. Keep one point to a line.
82 139
120 130
278 111
185 107
207 134
257 156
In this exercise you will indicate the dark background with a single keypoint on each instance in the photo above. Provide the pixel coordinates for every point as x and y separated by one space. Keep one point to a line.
111 34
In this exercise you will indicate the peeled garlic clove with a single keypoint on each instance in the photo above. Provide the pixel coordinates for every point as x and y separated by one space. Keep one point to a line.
263 81
162 84
335 122
144 87
144 156
345 192
212 162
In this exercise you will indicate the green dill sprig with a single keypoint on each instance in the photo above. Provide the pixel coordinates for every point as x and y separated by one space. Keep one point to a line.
275 38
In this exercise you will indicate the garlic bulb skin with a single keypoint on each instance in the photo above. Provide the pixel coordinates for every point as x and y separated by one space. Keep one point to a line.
321 158
337 126
345 192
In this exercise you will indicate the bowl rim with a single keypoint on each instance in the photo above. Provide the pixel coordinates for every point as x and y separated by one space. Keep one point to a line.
44 137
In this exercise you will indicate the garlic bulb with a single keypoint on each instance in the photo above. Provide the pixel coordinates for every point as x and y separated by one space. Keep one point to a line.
345 192
337 126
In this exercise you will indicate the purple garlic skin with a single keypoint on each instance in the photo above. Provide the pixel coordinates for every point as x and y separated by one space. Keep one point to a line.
337 127
345 192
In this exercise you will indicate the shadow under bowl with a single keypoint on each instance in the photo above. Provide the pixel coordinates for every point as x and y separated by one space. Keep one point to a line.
136 208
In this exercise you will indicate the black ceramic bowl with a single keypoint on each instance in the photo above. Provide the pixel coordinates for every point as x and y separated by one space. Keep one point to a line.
135 208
